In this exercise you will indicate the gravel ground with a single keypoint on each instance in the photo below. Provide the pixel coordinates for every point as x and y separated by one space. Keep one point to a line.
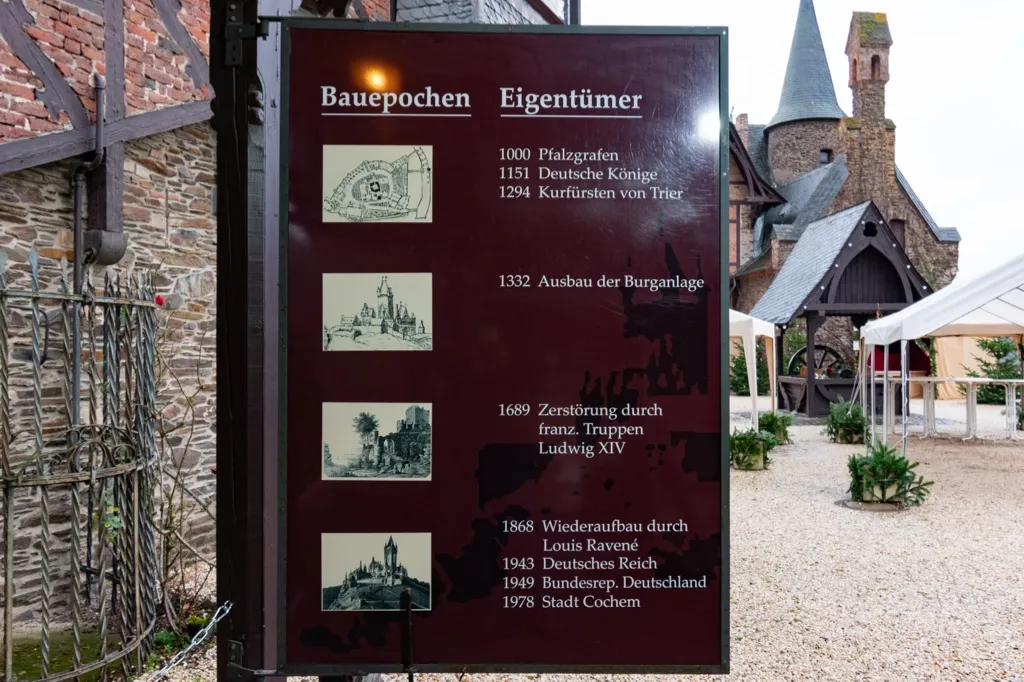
821 592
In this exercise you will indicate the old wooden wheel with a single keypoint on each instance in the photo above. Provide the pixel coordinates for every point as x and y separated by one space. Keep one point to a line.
825 357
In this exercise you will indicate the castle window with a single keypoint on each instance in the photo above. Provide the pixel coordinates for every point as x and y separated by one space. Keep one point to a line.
876 67
826 156
853 72
870 229
899 230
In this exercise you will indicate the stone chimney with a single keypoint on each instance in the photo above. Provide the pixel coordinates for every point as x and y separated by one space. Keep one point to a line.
743 128
871 138
867 49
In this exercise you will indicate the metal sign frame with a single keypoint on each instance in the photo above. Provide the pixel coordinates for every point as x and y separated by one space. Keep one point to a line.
281 323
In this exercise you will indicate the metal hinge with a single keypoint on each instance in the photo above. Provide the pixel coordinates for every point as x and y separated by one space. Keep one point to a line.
236 672
237 31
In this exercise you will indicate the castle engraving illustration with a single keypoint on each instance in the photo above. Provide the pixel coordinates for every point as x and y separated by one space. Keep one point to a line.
362 312
376 441
355 580
365 183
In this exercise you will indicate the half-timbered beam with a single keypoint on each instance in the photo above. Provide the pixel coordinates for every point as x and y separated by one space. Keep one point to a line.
105 237
56 94
44 149
196 68
758 190
94 6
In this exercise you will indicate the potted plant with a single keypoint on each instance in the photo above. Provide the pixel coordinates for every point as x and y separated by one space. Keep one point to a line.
776 424
748 450
885 476
846 423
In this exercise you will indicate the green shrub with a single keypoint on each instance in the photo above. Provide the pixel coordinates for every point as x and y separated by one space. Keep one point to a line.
775 423
793 340
166 640
846 423
1003 362
738 384
885 475
749 449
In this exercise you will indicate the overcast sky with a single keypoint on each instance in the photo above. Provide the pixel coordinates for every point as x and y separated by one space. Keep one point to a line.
953 92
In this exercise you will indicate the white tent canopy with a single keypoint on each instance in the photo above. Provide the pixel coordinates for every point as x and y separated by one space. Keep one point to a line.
747 329
989 305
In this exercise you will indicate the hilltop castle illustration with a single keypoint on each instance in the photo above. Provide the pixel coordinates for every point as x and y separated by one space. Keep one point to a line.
377 585
375 189
381 321
390 572
390 316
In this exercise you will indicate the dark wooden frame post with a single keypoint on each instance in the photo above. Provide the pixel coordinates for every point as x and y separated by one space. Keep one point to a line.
240 561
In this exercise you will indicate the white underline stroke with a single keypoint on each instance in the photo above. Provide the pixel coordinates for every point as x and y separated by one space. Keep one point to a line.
566 116
334 113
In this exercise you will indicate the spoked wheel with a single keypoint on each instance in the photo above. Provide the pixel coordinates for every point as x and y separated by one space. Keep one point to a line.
825 357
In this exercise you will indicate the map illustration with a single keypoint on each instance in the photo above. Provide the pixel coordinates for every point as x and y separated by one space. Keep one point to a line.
377 183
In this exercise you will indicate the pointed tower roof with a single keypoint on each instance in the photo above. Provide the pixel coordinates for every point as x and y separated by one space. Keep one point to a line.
807 92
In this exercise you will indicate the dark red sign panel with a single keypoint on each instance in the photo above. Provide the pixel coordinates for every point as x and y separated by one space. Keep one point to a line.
504 296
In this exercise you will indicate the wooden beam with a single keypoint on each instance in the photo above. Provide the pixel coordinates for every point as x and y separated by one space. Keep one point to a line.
113 58
545 12
56 93
94 6
759 191
854 308
196 68
44 149
105 186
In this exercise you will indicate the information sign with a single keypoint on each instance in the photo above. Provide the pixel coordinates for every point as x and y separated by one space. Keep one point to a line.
504 352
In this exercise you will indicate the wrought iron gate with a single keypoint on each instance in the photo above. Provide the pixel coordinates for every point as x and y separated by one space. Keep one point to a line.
79 543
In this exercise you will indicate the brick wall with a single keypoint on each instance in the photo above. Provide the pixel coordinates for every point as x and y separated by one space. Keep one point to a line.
50 49
169 193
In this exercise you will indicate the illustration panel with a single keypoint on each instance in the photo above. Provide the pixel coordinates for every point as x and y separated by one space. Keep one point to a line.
378 183
376 441
369 571
378 311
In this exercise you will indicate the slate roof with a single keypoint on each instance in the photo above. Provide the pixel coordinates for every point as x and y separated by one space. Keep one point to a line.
807 265
943 234
808 198
807 91
757 148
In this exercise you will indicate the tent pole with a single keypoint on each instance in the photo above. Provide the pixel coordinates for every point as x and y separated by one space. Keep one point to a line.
862 376
904 393
871 362
885 397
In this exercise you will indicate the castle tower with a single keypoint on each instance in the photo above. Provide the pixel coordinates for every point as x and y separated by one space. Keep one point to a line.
867 49
385 300
391 555
873 167
804 131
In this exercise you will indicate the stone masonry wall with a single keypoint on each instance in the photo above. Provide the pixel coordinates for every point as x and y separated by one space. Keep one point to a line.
169 183
46 74
795 148
936 261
